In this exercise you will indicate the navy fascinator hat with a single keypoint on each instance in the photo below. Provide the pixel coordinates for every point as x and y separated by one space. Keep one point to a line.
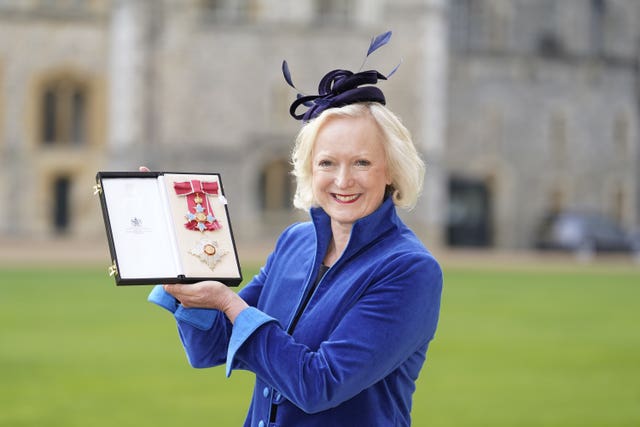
341 87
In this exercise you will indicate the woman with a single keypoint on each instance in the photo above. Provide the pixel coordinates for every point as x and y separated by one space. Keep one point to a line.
337 323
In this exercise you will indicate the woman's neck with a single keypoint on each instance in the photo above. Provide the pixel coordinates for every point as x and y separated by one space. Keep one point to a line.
339 239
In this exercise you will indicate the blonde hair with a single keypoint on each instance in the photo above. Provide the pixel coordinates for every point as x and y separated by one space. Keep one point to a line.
404 164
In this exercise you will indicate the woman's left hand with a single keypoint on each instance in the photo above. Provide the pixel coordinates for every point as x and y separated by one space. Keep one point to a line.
209 294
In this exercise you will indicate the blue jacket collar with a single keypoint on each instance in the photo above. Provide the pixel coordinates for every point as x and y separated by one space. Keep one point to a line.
364 231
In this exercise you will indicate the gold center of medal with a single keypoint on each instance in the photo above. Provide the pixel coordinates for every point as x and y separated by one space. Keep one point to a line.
209 249
201 217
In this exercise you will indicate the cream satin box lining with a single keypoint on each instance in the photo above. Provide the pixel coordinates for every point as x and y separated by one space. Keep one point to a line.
159 233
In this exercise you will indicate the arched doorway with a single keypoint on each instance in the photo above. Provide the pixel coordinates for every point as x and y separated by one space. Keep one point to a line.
469 219
61 204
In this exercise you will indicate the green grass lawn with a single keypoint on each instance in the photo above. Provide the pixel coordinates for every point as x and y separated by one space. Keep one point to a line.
514 348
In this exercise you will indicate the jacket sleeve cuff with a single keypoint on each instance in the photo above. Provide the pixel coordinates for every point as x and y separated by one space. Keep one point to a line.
163 298
245 324
200 318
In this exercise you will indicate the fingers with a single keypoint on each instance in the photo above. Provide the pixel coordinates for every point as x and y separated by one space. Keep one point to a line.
193 295
181 293
207 294
144 169
176 290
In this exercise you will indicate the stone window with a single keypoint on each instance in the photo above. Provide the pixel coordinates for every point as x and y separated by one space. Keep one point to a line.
230 11
276 186
558 200
333 11
621 136
597 25
480 24
619 205
558 138
63 106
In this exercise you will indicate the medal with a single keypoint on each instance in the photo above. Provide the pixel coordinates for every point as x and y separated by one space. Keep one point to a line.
209 252
199 212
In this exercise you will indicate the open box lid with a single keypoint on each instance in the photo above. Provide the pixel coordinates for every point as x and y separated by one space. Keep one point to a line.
168 228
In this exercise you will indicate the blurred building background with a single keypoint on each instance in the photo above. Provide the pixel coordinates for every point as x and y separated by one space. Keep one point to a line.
520 107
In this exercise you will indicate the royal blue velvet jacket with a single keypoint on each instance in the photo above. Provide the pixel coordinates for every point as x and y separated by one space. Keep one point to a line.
359 345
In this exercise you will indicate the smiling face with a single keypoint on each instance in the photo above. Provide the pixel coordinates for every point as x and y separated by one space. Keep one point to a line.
349 168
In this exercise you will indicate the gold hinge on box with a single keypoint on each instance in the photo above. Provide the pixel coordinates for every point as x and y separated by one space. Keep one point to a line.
97 189
113 269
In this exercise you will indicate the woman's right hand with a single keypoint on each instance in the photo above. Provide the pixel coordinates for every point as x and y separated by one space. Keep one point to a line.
143 169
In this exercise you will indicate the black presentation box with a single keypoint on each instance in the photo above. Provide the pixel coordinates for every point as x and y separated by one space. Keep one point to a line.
167 228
